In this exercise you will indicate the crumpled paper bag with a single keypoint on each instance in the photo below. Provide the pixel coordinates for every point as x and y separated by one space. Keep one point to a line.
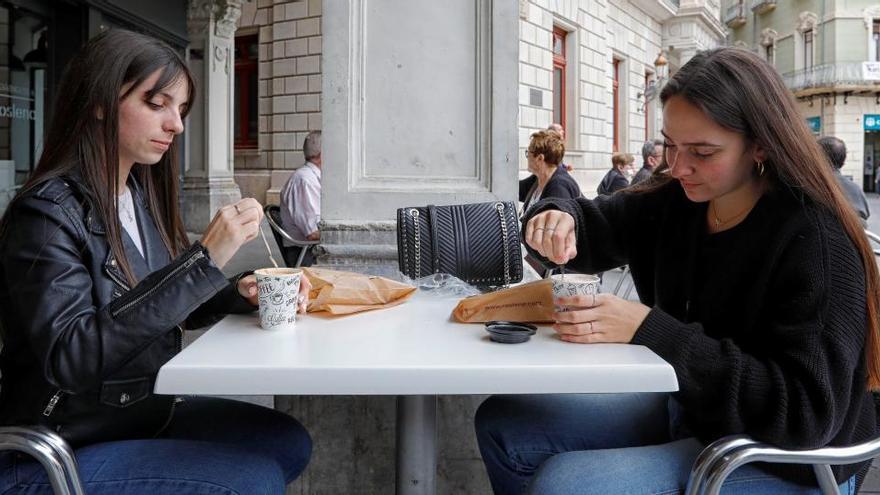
343 293
531 302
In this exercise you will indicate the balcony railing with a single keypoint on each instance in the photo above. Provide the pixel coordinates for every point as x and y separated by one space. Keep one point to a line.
838 77
735 15
761 6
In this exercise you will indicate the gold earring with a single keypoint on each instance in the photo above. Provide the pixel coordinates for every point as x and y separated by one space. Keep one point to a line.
760 167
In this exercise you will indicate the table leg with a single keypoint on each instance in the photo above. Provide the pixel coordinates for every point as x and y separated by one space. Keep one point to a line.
416 444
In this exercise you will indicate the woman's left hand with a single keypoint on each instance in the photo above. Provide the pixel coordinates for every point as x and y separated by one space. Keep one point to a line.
247 287
599 318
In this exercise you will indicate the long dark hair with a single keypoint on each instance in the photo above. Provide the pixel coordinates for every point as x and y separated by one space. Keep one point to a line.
83 137
741 92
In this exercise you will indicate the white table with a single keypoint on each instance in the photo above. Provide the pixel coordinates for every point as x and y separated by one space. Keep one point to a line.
414 351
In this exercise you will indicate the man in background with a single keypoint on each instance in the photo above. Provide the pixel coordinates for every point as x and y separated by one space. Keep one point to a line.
301 200
652 155
835 150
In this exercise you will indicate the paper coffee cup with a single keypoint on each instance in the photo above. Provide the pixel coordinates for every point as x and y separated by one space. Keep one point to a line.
573 284
279 291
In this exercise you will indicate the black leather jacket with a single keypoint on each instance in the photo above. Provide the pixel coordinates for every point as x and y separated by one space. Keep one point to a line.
81 349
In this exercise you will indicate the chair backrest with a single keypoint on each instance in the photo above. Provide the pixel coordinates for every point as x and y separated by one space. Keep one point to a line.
273 212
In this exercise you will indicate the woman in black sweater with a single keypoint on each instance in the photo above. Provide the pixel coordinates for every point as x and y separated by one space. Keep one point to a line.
751 269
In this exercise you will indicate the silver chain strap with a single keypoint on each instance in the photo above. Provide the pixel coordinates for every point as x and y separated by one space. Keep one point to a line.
417 270
500 208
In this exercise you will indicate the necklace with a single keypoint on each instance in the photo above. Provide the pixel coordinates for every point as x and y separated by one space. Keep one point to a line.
719 222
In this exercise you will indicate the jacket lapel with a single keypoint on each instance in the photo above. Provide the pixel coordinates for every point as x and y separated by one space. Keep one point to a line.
154 249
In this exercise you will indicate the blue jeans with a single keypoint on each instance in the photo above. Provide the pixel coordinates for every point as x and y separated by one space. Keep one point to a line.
212 446
610 443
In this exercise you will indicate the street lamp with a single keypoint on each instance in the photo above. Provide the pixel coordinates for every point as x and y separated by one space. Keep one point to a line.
652 87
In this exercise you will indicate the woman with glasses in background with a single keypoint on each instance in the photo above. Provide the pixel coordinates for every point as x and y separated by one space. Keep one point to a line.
757 285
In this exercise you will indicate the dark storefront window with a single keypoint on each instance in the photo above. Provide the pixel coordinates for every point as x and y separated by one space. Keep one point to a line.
246 93
23 94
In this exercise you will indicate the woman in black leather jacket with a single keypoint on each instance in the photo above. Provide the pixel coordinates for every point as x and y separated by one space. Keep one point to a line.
98 280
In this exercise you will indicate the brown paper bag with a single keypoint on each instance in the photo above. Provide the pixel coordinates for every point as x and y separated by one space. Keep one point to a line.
342 293
531 302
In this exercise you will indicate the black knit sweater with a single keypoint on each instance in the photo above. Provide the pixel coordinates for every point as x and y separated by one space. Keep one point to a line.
764 323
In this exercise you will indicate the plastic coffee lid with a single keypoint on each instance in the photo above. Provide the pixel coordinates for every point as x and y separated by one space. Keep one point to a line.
507 332
513 324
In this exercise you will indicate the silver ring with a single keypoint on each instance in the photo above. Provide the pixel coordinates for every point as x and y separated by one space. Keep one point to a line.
594 300
591 327
549 230
539 228
237 211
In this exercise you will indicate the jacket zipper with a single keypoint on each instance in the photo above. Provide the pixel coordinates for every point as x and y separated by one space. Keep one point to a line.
118 280
178 345
188 263
53 401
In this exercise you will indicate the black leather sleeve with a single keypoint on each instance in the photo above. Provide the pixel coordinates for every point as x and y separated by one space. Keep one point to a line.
227 301
80 344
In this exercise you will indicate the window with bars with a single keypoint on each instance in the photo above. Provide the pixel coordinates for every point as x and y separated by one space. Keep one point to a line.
559 64
876 40
808 49
246 92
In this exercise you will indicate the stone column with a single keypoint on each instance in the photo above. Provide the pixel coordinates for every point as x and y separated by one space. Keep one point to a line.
208 178
419 107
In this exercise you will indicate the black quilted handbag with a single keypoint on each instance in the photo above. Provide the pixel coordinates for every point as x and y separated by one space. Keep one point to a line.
478 243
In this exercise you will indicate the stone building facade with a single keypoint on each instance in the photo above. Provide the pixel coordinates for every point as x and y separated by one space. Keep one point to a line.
828 52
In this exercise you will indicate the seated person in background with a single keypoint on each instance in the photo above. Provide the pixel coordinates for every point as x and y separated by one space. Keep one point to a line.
835 150
652 155
615 179
301 202
757 285
548 179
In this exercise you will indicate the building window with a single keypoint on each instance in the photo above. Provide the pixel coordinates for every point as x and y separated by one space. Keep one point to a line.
246 92
876 40
769 53
808 49
615 103
559 63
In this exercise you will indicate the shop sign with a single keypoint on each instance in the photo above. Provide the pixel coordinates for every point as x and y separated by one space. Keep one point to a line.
815 125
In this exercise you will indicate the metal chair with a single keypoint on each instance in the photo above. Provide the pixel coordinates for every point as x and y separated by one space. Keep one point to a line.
874 240
50 450
629 283
273 216
723 456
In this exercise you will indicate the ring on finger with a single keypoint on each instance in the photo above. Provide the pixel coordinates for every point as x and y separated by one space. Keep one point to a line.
594 300
237 211
591 326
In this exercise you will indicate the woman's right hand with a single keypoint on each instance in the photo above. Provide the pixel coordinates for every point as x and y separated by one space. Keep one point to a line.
232 226
551 234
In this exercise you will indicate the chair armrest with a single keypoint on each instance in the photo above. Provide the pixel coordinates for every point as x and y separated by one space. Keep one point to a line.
709 456
277 228
714 474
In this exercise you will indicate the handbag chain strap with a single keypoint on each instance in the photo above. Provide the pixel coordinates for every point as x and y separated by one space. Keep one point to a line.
500 208
417 270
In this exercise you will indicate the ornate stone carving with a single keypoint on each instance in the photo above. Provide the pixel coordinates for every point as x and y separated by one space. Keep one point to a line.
871 13
807 21
223 13
768 37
